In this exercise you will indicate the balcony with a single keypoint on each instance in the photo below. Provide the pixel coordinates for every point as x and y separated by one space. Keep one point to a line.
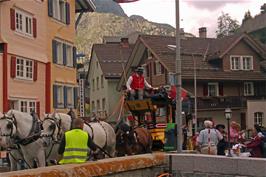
223 102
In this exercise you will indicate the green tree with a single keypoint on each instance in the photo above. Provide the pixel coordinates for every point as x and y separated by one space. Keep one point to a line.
226 25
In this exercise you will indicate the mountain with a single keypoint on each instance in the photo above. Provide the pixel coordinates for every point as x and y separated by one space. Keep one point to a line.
94 26
109 6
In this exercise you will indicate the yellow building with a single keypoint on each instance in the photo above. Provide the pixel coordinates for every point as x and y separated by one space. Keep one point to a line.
61 84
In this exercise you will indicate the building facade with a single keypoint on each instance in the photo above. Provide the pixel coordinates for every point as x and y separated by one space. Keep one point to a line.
105 70
38 55
228 73
24 57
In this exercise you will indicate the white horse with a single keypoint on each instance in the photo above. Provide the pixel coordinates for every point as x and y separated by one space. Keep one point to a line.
56 124
17 127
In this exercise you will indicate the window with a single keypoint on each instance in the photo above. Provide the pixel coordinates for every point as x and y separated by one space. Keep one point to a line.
93 106
27 106
103 104
24 69
98 105
60 96
147 70
248 88
59 48
93 84
97 82
62 53
258 118
158 68
213 89
102 81
24 22
70 97
241 62
235 63
69 55
59 11
247 63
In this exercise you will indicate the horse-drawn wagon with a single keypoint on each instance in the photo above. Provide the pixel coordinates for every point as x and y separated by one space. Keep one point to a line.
156 113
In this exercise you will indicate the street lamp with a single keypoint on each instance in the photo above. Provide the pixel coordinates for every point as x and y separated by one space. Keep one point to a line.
228 116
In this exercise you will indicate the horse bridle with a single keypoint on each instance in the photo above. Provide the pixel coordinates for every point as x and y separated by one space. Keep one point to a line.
11 120
56 123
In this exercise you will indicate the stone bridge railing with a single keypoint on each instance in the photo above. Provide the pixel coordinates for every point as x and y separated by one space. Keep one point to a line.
147 165
194 165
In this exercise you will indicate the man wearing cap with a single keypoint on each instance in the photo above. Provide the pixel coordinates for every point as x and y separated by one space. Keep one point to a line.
136 84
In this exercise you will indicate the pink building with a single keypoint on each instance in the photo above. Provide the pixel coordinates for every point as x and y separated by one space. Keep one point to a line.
23 55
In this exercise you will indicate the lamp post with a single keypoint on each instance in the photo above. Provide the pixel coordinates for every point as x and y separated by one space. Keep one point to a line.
228 116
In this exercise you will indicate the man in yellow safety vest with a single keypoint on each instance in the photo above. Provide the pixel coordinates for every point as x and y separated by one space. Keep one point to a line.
75 144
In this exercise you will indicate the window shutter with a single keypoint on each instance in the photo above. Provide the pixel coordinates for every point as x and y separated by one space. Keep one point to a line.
54 45
13 67
50 8
55 96
67 13
205 89
65 97
12 19
38 108
34 21
154 67
35 71
221 89
75 97
64 54
74 57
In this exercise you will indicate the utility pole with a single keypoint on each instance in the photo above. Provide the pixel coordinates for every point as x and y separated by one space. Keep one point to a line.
178 115
195 94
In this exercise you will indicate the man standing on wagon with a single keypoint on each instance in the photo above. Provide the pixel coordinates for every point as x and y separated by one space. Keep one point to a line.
136 84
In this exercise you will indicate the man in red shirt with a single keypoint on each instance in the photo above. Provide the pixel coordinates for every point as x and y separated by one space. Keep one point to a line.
136 84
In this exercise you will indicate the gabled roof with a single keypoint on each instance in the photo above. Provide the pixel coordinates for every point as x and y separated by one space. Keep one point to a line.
203 50
112 58
84 6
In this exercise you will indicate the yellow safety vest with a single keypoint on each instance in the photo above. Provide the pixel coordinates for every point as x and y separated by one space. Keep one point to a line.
76 148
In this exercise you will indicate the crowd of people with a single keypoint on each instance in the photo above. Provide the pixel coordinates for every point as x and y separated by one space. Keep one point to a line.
214 140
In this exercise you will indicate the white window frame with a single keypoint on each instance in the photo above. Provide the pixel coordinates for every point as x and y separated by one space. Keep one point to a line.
60 96
233 62
22 69
247 92
22 24
70 97
258 118
216 84
242 62
30 105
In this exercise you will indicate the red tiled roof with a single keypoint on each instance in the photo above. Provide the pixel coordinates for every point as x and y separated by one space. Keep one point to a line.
112 58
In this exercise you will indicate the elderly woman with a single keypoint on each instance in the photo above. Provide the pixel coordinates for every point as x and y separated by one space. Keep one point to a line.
208 139
255 144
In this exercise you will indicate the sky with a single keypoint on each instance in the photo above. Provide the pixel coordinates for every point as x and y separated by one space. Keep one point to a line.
193 13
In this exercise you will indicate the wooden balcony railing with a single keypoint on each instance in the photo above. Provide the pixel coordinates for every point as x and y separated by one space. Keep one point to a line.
223 102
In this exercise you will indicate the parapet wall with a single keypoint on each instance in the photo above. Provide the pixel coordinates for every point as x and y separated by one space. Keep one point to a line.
192 165
147 165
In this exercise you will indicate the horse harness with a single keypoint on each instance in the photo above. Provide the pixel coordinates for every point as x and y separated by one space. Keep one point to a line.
33 135
56 124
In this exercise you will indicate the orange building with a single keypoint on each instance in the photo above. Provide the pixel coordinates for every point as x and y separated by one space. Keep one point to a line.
37 54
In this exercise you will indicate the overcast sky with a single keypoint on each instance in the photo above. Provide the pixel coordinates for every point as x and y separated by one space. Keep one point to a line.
193 13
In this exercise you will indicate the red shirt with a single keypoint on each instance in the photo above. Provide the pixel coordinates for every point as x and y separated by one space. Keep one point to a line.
137 82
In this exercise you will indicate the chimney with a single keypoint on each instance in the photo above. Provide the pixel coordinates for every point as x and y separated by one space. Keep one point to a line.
124 42
203 32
